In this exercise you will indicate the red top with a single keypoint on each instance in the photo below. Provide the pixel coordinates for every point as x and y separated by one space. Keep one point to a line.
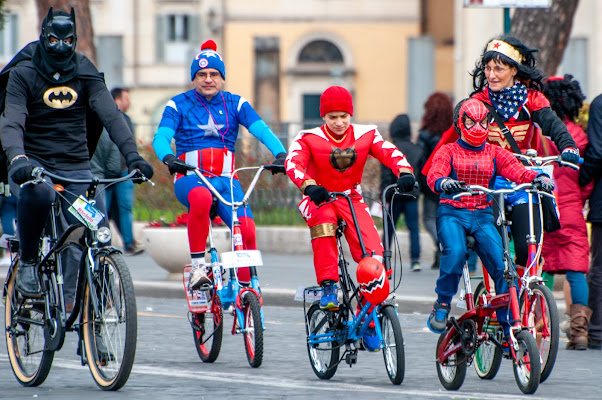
338 164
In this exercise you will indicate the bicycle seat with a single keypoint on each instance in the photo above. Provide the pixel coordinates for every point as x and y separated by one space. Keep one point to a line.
213 209
470 241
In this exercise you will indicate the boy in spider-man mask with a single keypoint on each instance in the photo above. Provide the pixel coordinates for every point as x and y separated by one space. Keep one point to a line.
470 160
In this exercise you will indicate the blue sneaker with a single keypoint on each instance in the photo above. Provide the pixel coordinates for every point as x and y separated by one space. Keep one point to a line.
438 318
370 340
329 299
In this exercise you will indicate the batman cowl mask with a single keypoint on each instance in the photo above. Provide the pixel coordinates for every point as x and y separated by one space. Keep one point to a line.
55 56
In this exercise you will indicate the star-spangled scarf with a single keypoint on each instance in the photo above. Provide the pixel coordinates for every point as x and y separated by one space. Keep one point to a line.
508 101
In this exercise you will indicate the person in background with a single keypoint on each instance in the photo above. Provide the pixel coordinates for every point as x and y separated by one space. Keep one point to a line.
566 250
437 118
591 171
401 134
331 158
204 122
120 197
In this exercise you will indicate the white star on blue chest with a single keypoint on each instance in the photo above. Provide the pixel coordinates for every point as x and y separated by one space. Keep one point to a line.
211 129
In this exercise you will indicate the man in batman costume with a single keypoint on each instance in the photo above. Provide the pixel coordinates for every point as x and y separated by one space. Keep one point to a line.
54 103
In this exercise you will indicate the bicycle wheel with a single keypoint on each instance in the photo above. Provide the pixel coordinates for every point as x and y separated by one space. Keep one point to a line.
393 351
527 367
323 356
208 330
25 341
110 335
488 357
543 322
451 371
252 329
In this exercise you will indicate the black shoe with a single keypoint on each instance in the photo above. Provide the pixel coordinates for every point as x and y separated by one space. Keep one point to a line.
104 355
28 281
595 344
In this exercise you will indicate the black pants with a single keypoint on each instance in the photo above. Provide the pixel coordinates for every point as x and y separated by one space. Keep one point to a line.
33 208
594 280
519 216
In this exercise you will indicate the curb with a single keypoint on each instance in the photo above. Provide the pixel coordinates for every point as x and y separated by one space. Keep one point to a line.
286 297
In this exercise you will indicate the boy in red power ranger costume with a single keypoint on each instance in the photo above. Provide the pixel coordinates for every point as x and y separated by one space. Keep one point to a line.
331 158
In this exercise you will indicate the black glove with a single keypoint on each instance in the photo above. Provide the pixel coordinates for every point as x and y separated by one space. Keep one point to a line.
544 182
451 186
406 182
570 154
278 164
317 194
134 161
20 170
176 165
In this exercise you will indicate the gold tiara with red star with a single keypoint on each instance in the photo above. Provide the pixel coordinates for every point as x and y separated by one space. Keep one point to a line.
505 49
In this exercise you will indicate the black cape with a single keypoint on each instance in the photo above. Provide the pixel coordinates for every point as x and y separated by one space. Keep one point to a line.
86 71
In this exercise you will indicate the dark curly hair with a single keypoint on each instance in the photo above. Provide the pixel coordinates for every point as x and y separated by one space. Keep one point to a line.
565 95
438 111
527 70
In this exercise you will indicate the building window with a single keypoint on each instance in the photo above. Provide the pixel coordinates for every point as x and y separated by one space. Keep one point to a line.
178 28
178 38
320 51
9 38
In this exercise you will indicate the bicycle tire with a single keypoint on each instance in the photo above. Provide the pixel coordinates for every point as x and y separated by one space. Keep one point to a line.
252 329
393 351
208 349
110 338
31 368
527 369
488 357
323 357
451 371
546 330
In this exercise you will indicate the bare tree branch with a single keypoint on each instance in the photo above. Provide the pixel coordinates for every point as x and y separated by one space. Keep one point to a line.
546 29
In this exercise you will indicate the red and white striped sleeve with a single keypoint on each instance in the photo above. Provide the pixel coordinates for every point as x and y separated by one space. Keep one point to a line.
389 155
296 163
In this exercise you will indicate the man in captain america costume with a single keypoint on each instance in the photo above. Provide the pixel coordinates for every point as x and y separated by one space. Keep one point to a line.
331 158
204 123
470 160
54 108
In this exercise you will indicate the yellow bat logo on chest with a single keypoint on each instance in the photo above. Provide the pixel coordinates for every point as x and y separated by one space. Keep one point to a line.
60 97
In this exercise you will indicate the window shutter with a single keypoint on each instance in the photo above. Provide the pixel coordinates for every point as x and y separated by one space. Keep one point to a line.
160 38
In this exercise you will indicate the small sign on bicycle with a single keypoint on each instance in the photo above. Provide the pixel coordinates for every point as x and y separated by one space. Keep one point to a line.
241 258
197 299
86 213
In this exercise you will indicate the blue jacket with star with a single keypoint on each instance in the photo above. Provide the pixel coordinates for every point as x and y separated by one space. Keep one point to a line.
196 124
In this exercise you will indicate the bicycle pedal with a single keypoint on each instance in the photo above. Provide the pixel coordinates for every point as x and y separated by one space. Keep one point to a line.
351 359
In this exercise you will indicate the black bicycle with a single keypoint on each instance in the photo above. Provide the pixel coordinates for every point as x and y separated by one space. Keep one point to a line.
104 313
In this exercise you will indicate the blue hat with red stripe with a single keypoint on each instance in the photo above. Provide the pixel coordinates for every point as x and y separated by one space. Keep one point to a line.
208 58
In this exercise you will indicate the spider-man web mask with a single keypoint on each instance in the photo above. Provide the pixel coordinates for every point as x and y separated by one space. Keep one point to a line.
473 122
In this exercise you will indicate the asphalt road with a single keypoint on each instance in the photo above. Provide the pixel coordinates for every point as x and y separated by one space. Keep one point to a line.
167 367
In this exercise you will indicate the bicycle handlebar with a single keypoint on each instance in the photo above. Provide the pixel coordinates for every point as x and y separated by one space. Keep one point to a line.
538 161
472 190
39 173
250 189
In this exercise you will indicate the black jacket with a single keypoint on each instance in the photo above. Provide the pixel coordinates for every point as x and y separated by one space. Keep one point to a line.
401 133
427 141
591 170
58 124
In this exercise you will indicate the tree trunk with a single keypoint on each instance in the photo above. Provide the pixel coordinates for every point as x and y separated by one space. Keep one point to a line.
83 22
546 29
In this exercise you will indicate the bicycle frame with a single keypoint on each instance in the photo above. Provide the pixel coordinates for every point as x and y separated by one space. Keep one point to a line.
231 294
355 326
